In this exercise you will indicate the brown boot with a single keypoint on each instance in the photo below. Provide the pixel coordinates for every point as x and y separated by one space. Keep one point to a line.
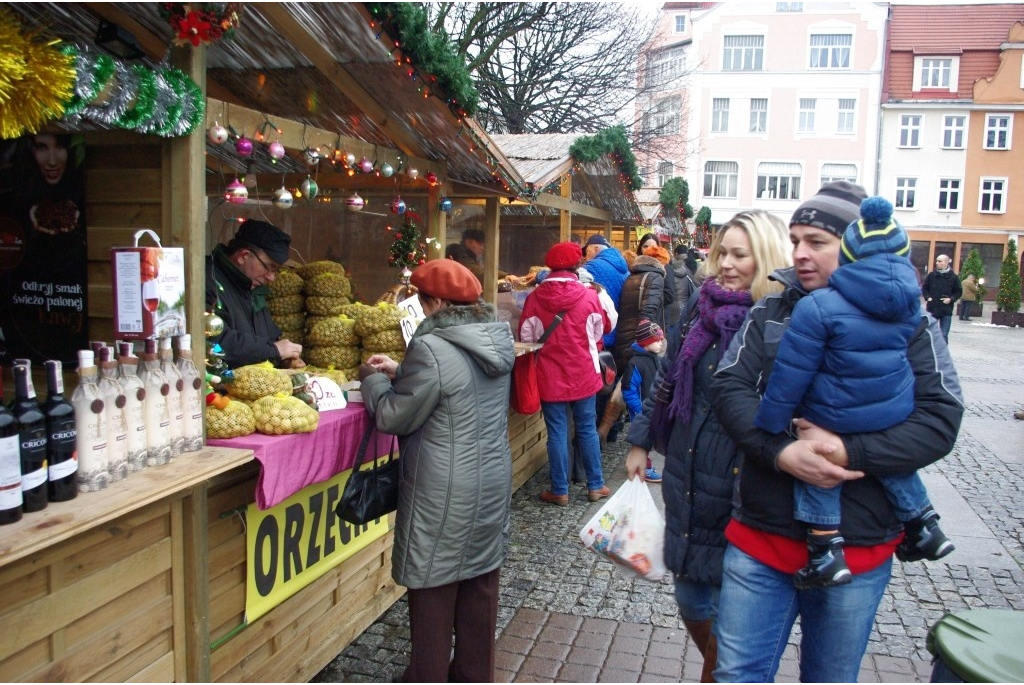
612 410
702 636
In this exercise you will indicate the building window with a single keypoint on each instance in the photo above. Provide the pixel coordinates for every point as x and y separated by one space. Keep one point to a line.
906 189
838 172
997 132
666 170
949 194
758 115
830 50
806 123
743 53
778 181
845 122
789 7
953 127
663 119
993 196
721 179
665 67
720 115
935 72
910 130
680 23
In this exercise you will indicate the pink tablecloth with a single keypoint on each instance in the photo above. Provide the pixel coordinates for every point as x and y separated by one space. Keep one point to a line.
291 462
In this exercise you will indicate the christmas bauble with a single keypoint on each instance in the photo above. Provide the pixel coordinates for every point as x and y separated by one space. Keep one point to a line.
365 166
431 178
214 325
413 173
311 156
217 134
398 206
445 204
275 150
350 159
355 203
386 170
237 193
282 198
243 146
309 188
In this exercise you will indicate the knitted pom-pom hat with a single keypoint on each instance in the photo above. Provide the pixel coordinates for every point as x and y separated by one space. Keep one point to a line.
876 232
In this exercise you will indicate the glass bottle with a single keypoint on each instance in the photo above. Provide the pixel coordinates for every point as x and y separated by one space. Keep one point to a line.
191 395
158 422
93 427
117 425
62 437
135 406
176 385
32 437
10 466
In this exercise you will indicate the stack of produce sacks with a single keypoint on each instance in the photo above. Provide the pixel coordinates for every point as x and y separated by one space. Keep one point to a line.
261 399
334 344
327 287
379 327
287 305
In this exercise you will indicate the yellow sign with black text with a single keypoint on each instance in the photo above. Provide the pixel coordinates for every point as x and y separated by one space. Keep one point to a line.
292 544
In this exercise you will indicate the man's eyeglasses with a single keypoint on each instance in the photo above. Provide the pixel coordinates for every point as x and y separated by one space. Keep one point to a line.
270 269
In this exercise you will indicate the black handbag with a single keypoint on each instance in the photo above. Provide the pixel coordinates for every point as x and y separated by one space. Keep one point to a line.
370 493
608 372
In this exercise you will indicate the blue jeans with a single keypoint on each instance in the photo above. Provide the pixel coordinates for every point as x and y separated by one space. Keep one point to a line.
697 601
944 323
556 418
816 505
758 606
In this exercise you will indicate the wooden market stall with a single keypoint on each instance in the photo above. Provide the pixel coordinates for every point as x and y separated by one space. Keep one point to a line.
148 580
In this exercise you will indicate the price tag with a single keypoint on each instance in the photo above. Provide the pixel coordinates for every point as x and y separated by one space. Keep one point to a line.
326 392
413 315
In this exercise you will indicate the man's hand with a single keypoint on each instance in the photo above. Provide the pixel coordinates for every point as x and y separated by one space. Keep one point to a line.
286 349
636 463
947 300
809 431
808 461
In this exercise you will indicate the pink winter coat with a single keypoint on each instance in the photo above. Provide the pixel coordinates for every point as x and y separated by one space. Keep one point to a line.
567 365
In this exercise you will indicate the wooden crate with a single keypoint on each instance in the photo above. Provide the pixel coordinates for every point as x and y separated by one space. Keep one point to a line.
527 437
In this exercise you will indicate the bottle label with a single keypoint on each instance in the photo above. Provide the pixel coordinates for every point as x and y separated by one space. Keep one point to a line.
10 474
33 479
64 468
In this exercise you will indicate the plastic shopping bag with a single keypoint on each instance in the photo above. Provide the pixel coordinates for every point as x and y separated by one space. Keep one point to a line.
630 531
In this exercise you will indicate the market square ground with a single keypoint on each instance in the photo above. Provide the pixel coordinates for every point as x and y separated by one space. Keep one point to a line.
567 616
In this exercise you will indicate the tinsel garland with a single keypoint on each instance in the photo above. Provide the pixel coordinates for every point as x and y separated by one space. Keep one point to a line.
46 83
611 141
12 60
141 108
93 74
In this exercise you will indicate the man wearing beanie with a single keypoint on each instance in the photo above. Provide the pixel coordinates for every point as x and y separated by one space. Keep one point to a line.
941 288
470 254
568 370
610 271
767 545
237 275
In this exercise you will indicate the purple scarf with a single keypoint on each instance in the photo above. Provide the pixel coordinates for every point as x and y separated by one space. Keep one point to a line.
720 313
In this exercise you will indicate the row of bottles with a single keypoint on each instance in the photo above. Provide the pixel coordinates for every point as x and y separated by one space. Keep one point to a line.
125 415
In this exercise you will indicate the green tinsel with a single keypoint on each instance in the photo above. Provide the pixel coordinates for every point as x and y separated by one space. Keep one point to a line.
430 52
93 71
611 141
145 99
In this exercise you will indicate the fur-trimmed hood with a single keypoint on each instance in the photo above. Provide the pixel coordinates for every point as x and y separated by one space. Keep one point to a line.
476 331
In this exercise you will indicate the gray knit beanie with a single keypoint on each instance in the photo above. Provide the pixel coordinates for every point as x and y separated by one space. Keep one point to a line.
833 208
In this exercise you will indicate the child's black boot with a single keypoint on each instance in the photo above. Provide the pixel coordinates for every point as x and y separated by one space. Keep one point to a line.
826 565
924 539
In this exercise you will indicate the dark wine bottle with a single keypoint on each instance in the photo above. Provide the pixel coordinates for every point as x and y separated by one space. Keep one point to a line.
61 455
32 436
10 465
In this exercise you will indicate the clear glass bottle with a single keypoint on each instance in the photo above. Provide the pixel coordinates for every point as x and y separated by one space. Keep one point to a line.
61 437
158 421
92 426
192 400
117 425
176 385
134 408
32 437
10 466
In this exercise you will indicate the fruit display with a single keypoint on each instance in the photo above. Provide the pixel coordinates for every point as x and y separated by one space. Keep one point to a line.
334 330
284 414
294 321
336 356
380 317
297 335
308 271
287 282
326 306
336 375
328 284
286 304
233 420
391 339
258 380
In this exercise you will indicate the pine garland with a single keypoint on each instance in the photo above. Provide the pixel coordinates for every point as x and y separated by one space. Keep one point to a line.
611 141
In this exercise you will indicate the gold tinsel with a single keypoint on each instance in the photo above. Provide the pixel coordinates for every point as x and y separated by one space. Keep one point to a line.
47 81
12 59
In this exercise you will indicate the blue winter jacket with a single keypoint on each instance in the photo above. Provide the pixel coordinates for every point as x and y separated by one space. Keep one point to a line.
610 270
843 359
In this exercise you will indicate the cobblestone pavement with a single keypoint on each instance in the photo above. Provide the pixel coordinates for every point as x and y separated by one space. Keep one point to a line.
565 615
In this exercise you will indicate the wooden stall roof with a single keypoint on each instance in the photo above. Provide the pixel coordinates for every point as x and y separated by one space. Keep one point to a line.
323 65
543 159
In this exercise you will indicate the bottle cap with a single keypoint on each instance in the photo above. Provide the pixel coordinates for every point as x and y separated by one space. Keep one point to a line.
85 359
184 341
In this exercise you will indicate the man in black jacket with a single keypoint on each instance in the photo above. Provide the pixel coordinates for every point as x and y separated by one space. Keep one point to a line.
237 275
758 603
941 288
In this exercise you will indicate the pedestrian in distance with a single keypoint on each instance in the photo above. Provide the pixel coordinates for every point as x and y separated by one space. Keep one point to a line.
971 290
645 363
941 288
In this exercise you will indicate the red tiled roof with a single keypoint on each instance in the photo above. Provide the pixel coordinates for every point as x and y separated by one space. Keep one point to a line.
951 28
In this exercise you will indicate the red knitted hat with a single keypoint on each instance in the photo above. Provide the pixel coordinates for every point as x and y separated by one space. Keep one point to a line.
648 333
563 256
446 279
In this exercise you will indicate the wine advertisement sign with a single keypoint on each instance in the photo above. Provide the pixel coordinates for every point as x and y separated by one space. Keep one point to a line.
43 277
149 290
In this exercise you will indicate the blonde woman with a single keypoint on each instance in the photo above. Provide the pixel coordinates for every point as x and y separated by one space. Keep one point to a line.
700 460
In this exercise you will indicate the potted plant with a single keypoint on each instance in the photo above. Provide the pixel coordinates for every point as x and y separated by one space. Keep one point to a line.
973 265
1008 295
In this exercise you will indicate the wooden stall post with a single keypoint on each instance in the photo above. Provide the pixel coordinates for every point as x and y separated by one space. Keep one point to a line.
492 237
565 215
437 223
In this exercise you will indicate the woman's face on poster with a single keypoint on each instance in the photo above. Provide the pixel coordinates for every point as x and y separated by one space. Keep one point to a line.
51 156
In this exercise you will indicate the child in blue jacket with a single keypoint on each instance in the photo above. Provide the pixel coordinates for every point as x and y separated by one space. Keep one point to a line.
648 356
842 365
